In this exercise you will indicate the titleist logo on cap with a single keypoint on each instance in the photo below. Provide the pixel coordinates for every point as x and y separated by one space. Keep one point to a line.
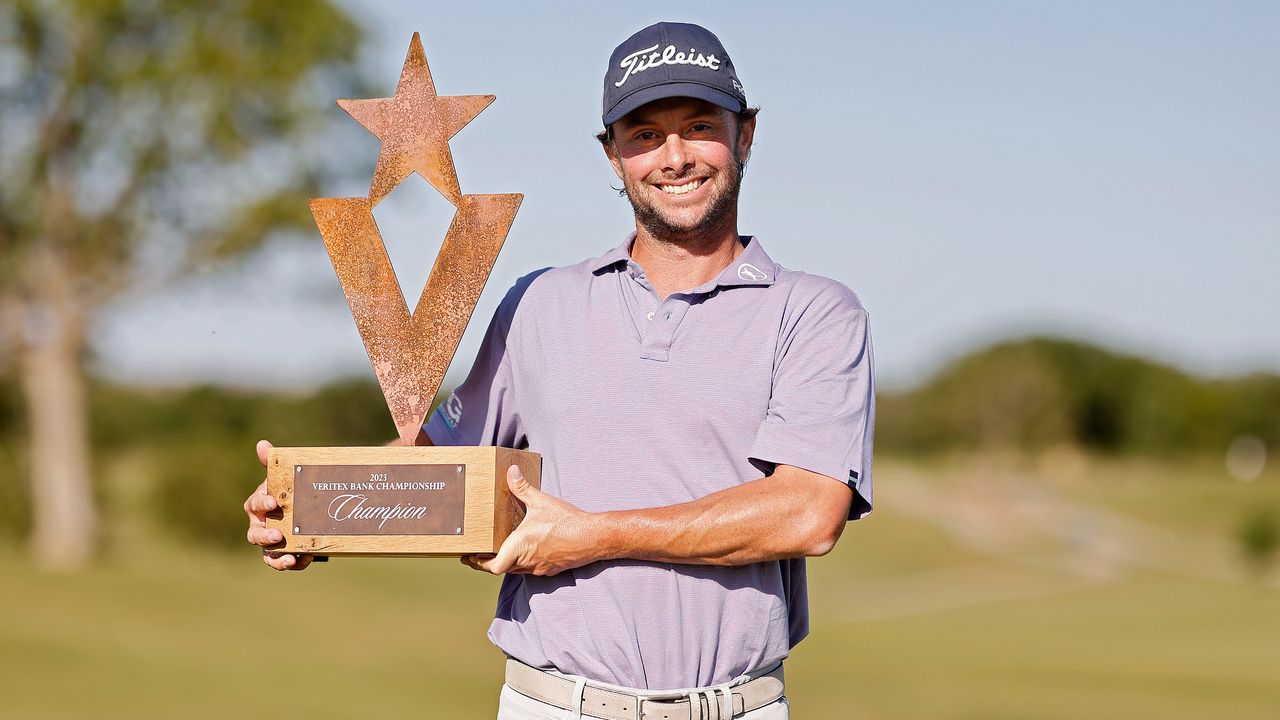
687 61
642 60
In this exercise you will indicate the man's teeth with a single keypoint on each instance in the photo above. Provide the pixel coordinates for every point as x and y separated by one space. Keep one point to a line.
681 189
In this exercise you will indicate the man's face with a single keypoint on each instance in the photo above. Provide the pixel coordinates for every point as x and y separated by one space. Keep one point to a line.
680 160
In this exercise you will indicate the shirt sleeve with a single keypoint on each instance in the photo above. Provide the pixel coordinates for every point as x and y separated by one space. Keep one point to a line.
483 409
821 415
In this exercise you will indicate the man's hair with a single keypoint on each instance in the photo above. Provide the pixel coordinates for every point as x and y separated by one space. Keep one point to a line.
605 136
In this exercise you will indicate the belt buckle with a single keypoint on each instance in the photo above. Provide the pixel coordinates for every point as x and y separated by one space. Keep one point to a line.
669 709
682 709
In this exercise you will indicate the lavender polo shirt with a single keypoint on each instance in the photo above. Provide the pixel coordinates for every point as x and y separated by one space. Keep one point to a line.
636 402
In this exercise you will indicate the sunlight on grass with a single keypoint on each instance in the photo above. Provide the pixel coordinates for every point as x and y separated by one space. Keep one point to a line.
913 618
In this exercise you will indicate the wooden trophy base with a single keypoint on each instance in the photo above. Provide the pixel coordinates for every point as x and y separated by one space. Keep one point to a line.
395 501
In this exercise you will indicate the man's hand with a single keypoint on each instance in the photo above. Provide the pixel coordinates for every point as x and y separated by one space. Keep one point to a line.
256 507
553 537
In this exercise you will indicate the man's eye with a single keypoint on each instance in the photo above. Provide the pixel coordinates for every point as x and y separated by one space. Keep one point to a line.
646 135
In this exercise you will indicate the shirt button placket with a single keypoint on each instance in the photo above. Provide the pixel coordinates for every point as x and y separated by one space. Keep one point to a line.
663 323
640 294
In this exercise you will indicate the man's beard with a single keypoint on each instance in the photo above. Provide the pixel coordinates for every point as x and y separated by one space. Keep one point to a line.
720 209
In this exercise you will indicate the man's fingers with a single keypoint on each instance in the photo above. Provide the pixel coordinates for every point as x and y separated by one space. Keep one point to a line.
264 536
256 507
279 561
287 561
263 447
260 503
500 563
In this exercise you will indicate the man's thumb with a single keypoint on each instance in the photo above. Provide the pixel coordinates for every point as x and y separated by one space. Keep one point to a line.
519 486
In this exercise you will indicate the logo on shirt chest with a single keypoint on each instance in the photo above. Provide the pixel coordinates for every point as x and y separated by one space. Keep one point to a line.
751 273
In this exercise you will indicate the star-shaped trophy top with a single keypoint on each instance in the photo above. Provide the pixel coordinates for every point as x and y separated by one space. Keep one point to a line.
415 127
410 347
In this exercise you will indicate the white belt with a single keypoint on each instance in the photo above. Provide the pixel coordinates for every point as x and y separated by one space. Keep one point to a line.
610 704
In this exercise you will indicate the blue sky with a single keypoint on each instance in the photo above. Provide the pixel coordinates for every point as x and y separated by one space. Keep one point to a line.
1108 171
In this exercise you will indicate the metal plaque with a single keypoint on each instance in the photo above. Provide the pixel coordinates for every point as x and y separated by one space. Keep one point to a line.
379 499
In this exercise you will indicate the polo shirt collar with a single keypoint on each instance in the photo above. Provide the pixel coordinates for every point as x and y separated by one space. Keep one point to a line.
620 254
752 267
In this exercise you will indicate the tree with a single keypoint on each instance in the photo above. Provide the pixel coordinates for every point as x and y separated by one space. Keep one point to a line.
140 139
1259 536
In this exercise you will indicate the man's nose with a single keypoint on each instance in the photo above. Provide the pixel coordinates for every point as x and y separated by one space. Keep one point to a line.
675 154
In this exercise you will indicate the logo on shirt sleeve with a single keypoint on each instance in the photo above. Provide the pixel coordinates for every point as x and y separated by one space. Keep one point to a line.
451 411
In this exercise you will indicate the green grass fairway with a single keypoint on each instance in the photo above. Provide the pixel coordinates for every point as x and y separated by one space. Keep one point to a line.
1004 596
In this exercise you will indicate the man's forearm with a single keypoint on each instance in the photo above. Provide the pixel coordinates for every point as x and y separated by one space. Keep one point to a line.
792 513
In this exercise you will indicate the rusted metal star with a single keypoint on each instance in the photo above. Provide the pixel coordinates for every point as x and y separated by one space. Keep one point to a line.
410 349
415 127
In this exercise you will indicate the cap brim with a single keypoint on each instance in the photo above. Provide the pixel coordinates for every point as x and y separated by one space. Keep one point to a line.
679 89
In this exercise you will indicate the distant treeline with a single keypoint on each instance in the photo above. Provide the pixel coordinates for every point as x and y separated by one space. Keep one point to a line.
192 450
1031 394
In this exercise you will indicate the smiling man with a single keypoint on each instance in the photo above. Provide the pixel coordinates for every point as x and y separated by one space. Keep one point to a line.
705 420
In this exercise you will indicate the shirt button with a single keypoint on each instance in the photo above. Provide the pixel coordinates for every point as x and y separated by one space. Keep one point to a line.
650 316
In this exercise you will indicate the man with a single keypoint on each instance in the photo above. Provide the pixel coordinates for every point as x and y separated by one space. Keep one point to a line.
704 415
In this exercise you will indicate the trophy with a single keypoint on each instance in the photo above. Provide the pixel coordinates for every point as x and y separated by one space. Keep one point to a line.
405 500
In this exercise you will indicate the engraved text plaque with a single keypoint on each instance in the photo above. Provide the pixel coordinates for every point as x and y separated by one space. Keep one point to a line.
379 499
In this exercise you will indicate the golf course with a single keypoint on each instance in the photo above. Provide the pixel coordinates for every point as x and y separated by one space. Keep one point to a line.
981 587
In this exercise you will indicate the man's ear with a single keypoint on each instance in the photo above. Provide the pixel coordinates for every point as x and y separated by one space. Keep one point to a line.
611 152
746 135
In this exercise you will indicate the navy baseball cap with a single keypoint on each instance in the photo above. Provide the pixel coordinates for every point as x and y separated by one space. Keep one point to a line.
670 60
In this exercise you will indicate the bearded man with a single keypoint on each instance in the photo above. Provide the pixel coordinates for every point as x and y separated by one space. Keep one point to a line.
704 415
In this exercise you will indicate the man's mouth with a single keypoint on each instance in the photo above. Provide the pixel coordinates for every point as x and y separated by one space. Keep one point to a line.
683 188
